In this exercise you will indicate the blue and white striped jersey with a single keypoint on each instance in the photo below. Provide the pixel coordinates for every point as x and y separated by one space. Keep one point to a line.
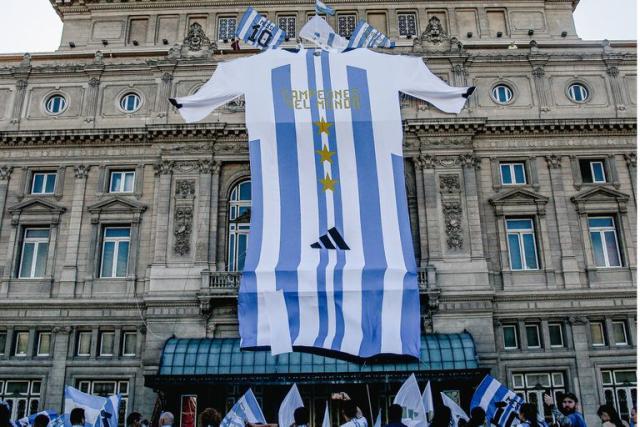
330 262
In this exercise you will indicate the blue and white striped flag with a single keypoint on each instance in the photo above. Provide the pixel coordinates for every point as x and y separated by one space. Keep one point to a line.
245 409
256 30
28 421
98 411
491 391
323 8
364 35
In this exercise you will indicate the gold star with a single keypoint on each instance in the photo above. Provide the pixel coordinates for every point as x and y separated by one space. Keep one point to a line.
325 154
328 183
323 126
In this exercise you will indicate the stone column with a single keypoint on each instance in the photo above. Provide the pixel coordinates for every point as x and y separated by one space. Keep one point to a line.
583 383
431 207
164 92
204 210
18 100
541 90
5 175
164 170
616 89
557 174
213 219
469 166
422 215
54 395
70 269
631 159
92 100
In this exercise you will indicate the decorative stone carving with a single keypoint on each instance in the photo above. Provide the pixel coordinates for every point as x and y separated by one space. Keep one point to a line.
81 171
167 77
209 166
554 161
613 71
236 106
5 172
174 52
182 226
26 60
94 82
196 38
538 72
453 224
434 33
469 161
98 57
21 84
449 184
427 161
185 188
631 159
165 167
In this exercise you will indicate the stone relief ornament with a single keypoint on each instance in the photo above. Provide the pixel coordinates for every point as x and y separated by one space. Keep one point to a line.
434 32
182 226
449 184
196 39
185 188
453 224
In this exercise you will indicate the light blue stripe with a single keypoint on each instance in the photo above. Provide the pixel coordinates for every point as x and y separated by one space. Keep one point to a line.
243 21
287 151
322 205
410 320
478 395
354 35
247 296
370 218
337 207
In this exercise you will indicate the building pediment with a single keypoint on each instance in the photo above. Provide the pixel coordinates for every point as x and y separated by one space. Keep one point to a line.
519 201
36 206
117 204
600 199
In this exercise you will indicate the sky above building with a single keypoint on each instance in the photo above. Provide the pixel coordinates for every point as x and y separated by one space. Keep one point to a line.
33 26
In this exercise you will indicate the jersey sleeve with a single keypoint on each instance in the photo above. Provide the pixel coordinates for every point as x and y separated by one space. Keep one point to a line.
418 81
224 85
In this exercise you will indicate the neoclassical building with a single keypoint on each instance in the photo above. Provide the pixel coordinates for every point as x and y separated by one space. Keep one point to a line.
123 229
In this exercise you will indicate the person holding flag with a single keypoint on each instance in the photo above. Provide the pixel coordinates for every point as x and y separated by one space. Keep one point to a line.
568 416
529 416
395 416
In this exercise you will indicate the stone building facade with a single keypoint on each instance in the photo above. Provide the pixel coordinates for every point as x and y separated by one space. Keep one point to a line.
122 226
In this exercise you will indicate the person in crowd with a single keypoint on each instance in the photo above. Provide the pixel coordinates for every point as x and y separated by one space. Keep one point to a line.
134 419
77 417
528 415
235 44
442 417
633 420
395 416
478 418
351 416
41 420
5 414
610 417
300 417
166 419
568 415
210 417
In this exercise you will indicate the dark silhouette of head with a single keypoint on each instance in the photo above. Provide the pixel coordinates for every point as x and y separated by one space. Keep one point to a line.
529 412
395 413
442 417
210 417
350 409
134 419
41 421
301 416
5 414
478 417
609 413
76 417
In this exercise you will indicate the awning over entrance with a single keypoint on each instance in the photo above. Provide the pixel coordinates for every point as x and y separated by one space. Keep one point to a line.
223 357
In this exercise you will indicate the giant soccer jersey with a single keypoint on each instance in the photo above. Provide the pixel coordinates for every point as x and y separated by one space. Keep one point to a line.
330 261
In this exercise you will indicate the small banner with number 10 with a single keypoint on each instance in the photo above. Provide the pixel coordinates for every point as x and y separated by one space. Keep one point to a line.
258 31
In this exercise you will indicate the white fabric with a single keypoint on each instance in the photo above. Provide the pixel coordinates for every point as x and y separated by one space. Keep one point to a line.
456 412
356 422
318 31
326 421
291 402
427 401
409 397
378 422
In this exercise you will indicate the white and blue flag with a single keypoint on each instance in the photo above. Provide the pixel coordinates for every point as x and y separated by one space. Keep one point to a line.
410 399
28 421
290 403
318 31
323 8
364 35
330 261
98 411
501 404
245 409
256 30
457 413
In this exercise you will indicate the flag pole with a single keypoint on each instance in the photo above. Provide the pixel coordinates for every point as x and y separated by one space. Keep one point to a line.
370 407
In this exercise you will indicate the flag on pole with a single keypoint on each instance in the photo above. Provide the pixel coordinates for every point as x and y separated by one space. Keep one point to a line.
456 412
427 401
98 411
410 399
323 8
501 404
291 402
378 422
245 409
256 30
318 31
364 35
326 421
28 421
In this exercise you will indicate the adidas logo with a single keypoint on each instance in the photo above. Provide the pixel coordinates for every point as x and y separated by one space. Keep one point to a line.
331 240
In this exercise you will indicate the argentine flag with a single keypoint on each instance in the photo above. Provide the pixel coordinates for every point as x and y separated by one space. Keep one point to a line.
323 8
501 404
98 411
256 30
28 421
364 35
245 409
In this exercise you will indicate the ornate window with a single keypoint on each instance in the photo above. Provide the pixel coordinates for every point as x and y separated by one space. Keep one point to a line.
130 102
43 344
620 336
346 24
22 396
115 252
513 173
121 181
593 171
226 28
407 24
21 343
533 336
129 340
43 183
620 390
55 104
33 258
510 336
597 334
532 386
578 92
556 335
502 94
239 221
288 25
83 345
521 237
604 241
107 342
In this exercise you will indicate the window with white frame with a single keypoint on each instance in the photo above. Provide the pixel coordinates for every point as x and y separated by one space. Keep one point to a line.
226 28
620 390
510 336
620 332
43 183
129 341
115 252
593 171
502 94
83 346
121 181
33 258
239 222
513 173
556 335
3 342
22 396
288 25
532 386
523 253
55 104
106 388
107 341
604 242
130 102
21 343
597 334
346 24
578 92
44 344
533 335
407 24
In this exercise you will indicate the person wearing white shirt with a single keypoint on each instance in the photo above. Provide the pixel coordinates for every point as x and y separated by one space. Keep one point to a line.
351 416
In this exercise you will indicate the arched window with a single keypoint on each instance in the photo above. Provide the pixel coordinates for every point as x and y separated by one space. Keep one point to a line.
502 94
239 219
130 102
578 93
56 104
